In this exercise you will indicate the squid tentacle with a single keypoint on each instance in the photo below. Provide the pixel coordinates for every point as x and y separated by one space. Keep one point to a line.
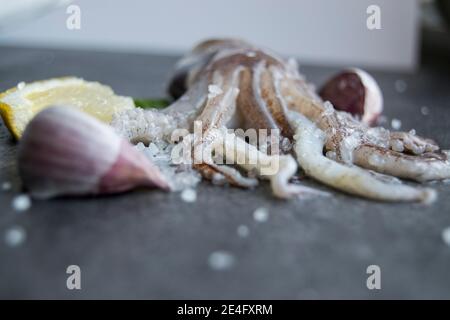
409 142
278 169
420 168
419 165
351 179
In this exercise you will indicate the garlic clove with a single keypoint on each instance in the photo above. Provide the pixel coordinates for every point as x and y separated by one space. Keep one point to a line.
355 91
131 169
66 152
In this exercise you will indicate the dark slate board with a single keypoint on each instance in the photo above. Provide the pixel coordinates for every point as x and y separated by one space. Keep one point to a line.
147 244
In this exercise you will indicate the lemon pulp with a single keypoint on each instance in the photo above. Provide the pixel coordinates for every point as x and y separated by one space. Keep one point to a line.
19 105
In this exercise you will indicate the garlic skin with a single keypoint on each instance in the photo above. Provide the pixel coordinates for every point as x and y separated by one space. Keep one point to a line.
66 152
354 91
373 102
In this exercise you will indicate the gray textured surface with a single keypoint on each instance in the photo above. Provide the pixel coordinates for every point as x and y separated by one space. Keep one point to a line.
148 244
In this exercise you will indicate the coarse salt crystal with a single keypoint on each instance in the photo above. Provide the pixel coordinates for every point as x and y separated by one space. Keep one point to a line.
161 154
381 120
218 179
261 214
243 231
397 145
331 155
189 195
153 148
221 260
375 160
214 91
21 85
400 86
446 236
425 110
289 99
140 146
6 186
15 236
396 124
21 202
329 109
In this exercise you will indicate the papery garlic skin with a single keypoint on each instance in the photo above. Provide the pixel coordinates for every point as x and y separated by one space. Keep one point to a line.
373 104
66 152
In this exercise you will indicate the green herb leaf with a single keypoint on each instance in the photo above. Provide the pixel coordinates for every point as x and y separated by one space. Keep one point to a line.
151 103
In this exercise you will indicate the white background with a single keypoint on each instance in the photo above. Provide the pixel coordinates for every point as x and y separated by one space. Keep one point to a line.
316 31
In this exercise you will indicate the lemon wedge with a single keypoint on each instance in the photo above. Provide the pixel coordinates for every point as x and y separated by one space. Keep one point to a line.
20 104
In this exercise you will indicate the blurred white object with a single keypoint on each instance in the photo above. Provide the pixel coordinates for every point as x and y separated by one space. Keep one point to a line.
316 31
13 12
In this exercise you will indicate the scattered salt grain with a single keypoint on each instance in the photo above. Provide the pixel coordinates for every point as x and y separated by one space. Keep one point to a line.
214 91
221 260
153 149
331 155
396 124
375 160
21 203
218 179
6 186
400 86
251 54
15 236
382 120
189 195
397 145
289 99
425 110
329 109
20 85
243 231
140 146
261 214
446 236
180 176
